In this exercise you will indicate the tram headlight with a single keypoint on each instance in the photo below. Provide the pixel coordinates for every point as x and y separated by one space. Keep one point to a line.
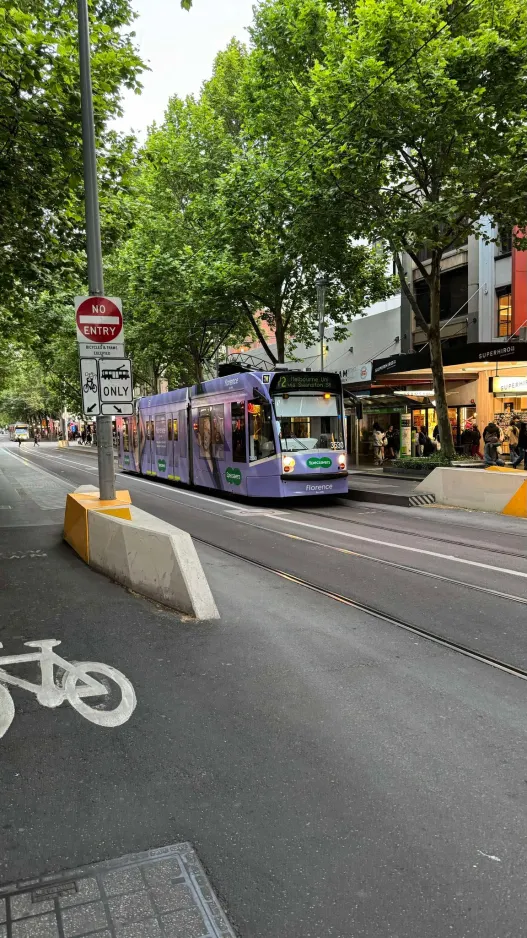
342 461
288 463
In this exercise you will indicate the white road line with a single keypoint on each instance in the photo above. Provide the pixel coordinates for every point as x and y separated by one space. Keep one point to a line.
355 537
414 550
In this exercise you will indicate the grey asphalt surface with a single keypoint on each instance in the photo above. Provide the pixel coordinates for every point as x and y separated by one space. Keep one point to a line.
336 775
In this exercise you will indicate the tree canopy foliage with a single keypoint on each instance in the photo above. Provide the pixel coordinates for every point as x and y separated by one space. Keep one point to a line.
409 116
41 189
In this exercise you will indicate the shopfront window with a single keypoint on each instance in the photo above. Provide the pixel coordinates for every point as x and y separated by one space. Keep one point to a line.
505 313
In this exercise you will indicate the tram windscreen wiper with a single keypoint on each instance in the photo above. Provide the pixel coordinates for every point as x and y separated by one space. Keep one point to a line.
292 437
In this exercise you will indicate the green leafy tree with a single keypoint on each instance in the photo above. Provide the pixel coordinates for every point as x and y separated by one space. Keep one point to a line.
41 194
411 117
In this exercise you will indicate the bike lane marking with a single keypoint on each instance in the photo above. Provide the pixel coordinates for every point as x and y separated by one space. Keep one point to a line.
50 694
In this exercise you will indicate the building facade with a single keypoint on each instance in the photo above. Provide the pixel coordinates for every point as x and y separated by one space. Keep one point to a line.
385 359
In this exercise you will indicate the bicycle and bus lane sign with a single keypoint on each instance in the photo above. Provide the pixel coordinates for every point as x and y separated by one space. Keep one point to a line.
91 404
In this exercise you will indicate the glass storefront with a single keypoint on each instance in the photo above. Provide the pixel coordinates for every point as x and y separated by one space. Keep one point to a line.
426 418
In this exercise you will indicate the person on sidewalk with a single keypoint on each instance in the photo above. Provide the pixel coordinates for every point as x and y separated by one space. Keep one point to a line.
36 437
513 434
466 440
521 452
378 442
476 440
421 442
490 453
394 444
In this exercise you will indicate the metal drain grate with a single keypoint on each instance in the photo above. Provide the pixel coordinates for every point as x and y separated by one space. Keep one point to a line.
158 894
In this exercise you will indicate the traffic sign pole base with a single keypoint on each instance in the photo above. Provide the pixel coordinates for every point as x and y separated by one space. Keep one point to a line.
78 504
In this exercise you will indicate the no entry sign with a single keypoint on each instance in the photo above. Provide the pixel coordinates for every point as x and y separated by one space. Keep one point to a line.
99 319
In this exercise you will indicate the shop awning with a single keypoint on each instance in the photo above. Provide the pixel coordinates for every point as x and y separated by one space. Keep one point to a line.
473 353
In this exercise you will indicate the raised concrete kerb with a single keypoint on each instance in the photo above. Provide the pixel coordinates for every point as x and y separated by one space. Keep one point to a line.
478 489
153 558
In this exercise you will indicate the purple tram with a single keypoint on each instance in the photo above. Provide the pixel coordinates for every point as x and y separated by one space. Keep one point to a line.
263 435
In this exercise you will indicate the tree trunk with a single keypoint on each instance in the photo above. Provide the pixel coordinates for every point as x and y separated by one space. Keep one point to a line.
279 335
436 359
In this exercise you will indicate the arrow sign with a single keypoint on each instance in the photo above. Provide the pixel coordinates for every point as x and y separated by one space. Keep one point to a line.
90 387
117 410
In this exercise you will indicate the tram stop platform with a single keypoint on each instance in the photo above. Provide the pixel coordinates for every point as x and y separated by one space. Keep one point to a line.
378 487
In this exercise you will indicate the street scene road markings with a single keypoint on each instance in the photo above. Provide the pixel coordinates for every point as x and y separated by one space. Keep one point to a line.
158 892
72 682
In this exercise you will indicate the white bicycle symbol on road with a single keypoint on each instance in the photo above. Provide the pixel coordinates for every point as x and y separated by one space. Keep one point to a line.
74 684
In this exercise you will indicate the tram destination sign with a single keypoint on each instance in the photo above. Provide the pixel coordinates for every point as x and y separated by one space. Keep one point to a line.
306 381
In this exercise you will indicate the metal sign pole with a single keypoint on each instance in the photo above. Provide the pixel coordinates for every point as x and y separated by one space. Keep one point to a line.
93 234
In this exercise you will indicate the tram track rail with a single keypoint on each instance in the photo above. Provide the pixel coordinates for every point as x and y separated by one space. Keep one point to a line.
430 636
427 537
407 568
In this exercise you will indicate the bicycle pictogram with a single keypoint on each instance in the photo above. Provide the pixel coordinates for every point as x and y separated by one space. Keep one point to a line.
91 382
72 682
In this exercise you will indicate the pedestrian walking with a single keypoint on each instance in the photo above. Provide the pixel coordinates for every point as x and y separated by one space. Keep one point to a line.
393 443
429 447
476 440
466 440
379 442
421 441
513 434
522 447
36 437
19 441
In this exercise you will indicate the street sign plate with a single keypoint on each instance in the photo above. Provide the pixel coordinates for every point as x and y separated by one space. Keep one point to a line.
115 379
90 387
99 319
110 350
117 410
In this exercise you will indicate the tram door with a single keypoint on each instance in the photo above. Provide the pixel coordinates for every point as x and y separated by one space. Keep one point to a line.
173 446
150 447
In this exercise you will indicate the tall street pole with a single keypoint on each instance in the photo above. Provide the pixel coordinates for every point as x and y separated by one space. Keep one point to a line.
93 234
321 283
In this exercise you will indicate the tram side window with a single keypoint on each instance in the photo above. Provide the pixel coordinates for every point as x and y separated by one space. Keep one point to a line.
126 436
239 446
261 437
218 431
205 432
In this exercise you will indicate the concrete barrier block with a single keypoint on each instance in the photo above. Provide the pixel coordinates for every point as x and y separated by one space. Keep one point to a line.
79 505
473 488
153 558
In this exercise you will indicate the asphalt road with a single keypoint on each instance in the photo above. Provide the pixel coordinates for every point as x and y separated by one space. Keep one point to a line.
337 775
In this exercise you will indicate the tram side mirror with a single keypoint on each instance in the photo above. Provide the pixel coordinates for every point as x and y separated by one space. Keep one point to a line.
259 396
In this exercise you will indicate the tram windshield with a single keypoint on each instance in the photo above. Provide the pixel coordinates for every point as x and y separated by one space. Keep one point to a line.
309 421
